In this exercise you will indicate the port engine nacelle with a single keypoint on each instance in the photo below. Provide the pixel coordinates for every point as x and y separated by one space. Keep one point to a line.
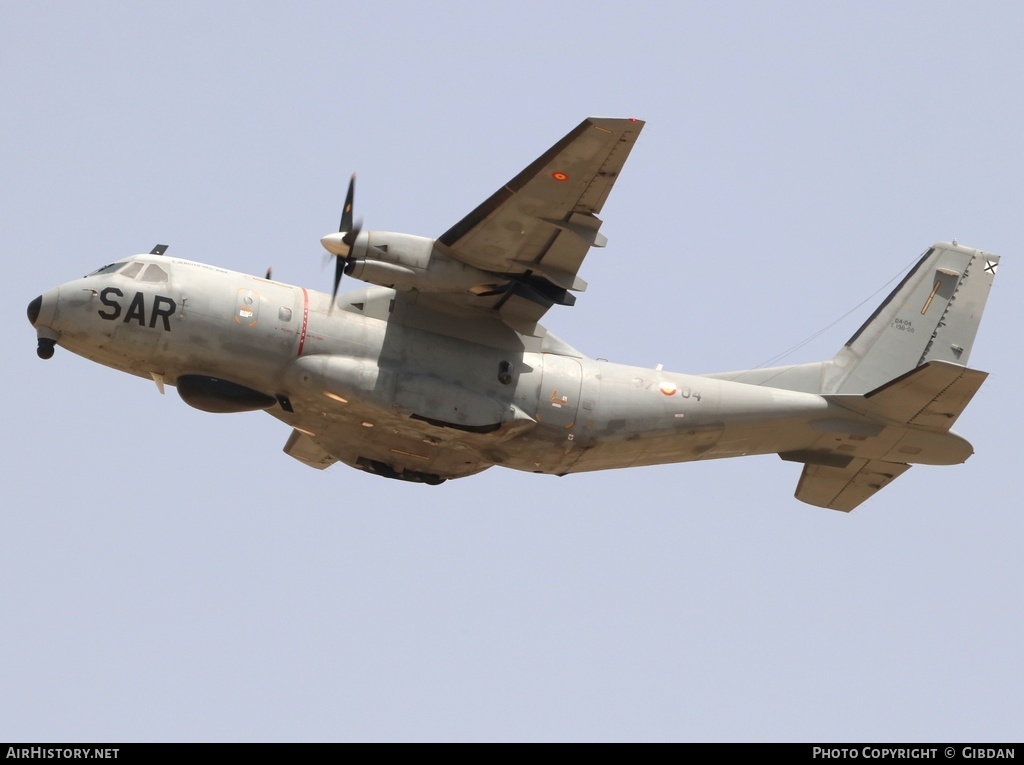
406 262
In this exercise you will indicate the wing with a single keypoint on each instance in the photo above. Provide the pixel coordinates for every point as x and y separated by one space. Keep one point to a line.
535 230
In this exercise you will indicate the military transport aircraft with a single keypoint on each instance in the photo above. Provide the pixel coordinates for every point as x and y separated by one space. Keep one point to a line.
441 370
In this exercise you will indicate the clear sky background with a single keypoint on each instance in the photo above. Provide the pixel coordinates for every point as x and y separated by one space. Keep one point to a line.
167 574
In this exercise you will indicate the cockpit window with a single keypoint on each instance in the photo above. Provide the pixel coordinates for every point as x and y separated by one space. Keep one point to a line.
106 269
132 271
153 273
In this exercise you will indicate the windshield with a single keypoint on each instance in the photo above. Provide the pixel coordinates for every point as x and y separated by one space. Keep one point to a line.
153 273
106 269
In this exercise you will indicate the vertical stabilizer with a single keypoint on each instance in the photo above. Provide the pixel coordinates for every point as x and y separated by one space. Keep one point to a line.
933 315
904 371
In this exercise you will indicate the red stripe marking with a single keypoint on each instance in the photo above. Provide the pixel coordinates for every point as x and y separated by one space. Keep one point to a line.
305 320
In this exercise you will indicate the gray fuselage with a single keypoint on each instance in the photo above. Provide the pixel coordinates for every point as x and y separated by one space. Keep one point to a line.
386 379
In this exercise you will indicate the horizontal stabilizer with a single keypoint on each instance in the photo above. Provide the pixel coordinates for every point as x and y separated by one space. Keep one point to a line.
933 396
843 488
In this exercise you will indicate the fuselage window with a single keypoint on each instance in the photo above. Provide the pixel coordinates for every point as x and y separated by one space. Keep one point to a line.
505 370
284 314
153 273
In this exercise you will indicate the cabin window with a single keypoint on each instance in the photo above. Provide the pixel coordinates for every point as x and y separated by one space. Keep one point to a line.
284 314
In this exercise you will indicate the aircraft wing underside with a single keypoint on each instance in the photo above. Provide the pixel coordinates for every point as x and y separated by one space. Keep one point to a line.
538 227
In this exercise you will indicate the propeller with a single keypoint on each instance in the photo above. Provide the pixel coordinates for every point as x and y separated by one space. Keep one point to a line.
340 245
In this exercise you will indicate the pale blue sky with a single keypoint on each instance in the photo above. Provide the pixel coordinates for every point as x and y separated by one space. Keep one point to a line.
171 575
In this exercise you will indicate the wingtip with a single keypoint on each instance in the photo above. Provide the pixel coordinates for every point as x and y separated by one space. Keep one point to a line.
620 122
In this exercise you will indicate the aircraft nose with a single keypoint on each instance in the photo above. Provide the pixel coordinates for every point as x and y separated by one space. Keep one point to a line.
42 313
43 310
33 310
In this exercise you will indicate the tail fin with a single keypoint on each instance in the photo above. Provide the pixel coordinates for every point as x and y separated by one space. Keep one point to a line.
906 366
933 315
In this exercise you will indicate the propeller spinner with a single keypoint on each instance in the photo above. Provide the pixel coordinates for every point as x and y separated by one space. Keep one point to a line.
340 245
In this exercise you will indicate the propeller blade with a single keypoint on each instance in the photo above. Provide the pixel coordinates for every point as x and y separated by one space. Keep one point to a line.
339 269
346 212
340 245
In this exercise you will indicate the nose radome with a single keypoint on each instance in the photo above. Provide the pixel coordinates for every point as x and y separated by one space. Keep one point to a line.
33 310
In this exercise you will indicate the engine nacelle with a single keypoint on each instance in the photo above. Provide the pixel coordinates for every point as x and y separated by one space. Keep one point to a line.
406 262
413 252
385 274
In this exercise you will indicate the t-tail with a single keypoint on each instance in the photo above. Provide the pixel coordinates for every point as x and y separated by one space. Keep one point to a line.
904 373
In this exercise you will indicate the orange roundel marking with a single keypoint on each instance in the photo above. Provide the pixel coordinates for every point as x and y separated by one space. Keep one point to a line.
667 388
559 176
